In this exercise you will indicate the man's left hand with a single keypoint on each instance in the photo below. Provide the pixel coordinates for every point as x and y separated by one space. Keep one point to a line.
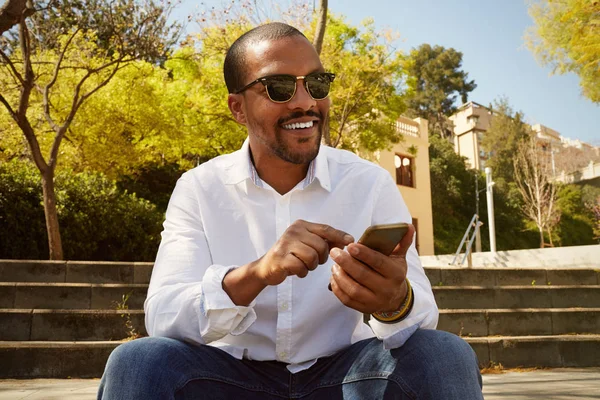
368 281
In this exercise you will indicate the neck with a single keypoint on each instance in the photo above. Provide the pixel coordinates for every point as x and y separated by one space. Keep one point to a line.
281 175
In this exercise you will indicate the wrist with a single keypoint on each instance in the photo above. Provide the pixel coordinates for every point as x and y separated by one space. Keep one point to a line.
243 284
400 313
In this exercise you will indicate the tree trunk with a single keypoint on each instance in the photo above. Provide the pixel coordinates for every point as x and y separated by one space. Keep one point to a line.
541 237
54 240
321 25
12 11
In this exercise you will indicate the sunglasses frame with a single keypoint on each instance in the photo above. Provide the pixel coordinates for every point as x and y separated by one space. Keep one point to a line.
264 81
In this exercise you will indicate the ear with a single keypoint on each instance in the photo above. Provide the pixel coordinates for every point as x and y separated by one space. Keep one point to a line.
236 106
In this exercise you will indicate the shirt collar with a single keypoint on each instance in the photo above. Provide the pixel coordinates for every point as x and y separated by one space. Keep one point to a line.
241 168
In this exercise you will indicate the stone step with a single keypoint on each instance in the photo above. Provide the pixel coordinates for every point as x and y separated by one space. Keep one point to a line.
28 359
557 351
139 272
111 296
477 297
72 295
27 324
74 271
520 322
56 325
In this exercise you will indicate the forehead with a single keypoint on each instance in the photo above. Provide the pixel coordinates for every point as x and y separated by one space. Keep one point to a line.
291 55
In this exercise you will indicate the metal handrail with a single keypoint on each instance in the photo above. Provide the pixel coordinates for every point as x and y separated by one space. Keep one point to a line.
474 223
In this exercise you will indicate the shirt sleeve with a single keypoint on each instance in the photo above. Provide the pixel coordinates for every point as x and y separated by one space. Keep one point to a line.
390 208
186 300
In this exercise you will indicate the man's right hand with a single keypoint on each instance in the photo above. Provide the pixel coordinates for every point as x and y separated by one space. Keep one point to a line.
301 248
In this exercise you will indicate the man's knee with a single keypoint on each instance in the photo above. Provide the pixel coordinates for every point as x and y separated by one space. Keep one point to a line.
446 364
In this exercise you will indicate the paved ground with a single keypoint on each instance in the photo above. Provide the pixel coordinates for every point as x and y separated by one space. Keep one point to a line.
556 384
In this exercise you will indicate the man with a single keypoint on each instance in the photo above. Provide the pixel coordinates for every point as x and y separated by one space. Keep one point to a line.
238 305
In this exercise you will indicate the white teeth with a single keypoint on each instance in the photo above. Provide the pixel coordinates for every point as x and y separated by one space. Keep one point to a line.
299 125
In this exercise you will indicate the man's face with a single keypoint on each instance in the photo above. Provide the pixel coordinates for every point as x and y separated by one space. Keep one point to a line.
290 131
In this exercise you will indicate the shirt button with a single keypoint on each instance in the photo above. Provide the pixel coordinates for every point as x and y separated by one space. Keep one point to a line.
284 307
282 355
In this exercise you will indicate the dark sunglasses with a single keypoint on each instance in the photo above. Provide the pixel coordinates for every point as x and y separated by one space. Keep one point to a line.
282 88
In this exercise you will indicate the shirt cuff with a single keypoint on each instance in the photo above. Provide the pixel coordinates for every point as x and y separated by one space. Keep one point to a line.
395 335
224 317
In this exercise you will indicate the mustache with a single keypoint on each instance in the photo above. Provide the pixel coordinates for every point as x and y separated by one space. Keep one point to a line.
300 114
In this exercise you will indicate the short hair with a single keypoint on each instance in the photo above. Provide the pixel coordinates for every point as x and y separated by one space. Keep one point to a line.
236 55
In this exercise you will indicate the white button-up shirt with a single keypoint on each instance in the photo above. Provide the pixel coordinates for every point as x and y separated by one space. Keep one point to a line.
222 216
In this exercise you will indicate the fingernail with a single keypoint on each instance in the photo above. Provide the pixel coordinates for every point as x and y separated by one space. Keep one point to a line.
335 252
353 250
348 238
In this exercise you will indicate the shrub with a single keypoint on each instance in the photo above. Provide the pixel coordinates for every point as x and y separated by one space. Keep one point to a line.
97 221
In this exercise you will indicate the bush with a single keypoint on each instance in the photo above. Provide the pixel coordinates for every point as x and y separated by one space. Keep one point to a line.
22 221
97 221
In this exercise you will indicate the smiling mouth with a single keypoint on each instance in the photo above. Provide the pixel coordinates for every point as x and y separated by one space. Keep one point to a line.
299 125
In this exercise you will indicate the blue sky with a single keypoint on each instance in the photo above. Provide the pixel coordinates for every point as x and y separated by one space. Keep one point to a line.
490 34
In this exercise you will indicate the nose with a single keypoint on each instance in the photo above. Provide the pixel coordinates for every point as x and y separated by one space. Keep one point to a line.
302 99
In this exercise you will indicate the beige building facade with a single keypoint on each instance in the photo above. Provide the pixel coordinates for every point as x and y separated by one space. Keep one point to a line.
408 163
471 121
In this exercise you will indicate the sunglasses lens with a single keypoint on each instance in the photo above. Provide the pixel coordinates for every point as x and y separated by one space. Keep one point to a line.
318 85
281 88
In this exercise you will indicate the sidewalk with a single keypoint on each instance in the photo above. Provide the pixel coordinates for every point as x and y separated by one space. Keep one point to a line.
556 384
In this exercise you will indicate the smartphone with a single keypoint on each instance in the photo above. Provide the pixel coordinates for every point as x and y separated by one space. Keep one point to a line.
384 238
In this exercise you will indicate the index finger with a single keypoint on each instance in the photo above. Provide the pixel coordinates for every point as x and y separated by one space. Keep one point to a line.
335 237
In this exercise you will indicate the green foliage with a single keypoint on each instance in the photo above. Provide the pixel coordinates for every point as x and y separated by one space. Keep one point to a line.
98 221
366 96
576 226
454 203
451 191
501 141
435 82
22 225
567 37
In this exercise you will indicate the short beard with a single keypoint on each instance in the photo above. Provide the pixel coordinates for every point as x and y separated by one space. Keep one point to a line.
284 151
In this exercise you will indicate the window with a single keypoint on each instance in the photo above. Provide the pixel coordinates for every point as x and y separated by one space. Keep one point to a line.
404 170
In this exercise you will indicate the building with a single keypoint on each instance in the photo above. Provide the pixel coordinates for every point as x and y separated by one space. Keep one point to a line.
471 121
408 163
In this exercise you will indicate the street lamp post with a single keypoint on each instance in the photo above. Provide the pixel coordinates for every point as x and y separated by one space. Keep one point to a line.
490 206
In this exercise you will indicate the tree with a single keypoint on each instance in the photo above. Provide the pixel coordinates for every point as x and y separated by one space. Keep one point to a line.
567 37
435 80
501 141
80 46
532 172
12 12
321 25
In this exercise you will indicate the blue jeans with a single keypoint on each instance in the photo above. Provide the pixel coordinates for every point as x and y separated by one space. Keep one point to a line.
431 365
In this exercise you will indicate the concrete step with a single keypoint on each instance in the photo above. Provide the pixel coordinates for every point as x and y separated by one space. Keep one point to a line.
478 297
74 271
139 272
29 359
54 359
53 325
111 295
27 324
538 351
521 322
52 295
511 276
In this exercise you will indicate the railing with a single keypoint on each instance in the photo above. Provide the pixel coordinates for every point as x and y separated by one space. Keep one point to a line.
407 127
474 223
